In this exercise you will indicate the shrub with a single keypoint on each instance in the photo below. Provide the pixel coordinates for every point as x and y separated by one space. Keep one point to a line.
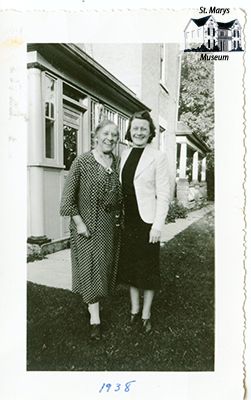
34 253
176 210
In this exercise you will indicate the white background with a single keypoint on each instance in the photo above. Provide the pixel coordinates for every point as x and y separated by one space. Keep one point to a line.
166 26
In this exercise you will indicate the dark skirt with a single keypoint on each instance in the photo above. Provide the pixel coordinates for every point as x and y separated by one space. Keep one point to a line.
139 259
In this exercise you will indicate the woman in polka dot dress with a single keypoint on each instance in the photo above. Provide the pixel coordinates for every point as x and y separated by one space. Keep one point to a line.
92 198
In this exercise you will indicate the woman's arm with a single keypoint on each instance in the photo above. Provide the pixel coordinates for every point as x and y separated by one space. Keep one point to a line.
162 192
69 203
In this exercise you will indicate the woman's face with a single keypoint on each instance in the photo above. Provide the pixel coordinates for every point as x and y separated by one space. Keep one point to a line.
107 138
140 132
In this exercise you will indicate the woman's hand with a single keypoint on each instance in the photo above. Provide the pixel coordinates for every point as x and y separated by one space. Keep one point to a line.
80 226
83 230
154 235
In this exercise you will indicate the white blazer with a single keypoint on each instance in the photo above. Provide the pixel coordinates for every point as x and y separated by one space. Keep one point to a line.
151 183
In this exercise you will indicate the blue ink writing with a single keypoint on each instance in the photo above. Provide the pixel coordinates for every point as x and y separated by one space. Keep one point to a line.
106 387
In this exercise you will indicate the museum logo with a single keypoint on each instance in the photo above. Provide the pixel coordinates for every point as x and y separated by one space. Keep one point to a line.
207 35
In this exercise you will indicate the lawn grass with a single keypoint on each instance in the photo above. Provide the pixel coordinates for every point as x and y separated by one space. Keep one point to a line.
183 318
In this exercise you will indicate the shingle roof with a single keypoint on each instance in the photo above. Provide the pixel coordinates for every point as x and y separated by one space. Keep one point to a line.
201 21
226 25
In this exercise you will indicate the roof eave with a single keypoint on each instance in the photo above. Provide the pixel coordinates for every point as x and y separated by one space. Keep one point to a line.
78 56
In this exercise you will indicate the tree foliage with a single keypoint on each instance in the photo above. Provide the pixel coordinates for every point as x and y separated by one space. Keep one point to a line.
196 106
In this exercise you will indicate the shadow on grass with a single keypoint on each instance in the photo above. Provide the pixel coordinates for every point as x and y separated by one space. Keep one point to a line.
183 318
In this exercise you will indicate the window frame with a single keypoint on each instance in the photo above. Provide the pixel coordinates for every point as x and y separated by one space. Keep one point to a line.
74 125
124 119
50 161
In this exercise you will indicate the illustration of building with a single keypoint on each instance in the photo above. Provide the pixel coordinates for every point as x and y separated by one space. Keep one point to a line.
206 31
70 88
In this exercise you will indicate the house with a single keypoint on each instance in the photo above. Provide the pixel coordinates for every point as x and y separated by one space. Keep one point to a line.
68 93
210 33
70 89
152 72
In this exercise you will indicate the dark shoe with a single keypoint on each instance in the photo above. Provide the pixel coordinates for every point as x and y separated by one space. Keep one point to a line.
95 332
146 325
134 319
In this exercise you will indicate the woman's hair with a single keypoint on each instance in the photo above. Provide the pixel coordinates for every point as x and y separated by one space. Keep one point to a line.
141 115
104 123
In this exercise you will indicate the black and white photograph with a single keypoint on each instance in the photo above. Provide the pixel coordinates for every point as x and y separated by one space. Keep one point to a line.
121 170
124 206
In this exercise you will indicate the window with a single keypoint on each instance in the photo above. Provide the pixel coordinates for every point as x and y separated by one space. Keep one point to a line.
94 119
238 34
234 44
208 31
208 44
70 145
213 31
214 42
73 95
234 33
72 128
108 114
98 112
50 114
122 125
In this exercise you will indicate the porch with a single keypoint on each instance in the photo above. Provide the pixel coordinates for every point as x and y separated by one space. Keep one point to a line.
191 166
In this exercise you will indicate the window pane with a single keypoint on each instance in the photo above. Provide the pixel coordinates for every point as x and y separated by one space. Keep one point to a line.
122 125
70 145
49 138
47 109
49 96
52 110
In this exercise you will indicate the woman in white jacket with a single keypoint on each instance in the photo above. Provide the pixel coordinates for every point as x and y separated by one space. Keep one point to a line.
145 185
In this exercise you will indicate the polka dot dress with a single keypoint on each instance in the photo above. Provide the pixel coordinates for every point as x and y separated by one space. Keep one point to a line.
94 193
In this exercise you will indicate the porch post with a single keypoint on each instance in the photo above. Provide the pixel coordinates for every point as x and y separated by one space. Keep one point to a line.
35 122
35 135
195 166
183 160
203 169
